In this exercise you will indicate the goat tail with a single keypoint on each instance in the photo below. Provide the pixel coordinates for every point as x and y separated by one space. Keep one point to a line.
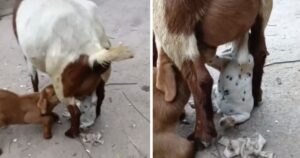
116 53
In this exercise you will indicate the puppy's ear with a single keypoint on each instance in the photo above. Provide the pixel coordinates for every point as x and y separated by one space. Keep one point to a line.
166 78
42 103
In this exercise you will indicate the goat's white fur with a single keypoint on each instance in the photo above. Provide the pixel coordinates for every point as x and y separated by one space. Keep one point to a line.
54 33
178 47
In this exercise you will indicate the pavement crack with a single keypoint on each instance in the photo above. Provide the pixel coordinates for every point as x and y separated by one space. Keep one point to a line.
136 109
85 149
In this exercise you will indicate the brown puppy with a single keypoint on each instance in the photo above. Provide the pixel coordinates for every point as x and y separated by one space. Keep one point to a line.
166 115
30 108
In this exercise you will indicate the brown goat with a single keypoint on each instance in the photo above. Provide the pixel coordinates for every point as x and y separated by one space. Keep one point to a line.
33 108
187 30
166 115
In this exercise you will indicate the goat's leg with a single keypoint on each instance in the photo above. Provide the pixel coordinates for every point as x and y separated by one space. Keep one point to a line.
258 48
75 121
2 121
33 75
47 126
100 91
259 52
200 83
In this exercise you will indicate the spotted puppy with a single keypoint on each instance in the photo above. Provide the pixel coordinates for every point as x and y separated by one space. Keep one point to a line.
232 96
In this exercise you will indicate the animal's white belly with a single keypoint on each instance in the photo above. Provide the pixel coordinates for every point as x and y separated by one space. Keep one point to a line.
235 88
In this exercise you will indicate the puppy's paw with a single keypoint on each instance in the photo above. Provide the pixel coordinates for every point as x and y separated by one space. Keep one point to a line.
227 122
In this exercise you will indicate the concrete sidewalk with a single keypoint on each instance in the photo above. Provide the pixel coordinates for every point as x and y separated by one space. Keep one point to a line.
125 129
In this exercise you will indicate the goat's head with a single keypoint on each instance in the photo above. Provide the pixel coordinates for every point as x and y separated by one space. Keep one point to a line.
80 78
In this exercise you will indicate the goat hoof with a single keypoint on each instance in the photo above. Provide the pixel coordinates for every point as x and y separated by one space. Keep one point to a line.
258 98
47 136
199 144
71 133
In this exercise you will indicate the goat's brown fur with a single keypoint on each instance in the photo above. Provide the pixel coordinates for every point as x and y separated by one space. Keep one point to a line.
214 23
80 80
30 108
200 83
166 115
258 49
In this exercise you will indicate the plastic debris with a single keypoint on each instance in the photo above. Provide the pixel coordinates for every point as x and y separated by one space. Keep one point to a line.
92 138
246 147
133 126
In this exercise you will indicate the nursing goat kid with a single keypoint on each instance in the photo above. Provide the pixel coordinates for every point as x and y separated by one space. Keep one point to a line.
166 115
65 39
187 30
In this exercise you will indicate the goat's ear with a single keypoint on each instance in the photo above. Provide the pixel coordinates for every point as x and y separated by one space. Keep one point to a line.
166 78
117 53
42 103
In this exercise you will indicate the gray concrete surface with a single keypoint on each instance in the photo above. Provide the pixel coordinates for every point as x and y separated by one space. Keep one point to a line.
125 130
278 118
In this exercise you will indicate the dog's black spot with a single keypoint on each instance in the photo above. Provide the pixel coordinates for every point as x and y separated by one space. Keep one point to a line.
243 99
240 76
244 92
227 76
226 92
249 74
231 110
230 78
236 83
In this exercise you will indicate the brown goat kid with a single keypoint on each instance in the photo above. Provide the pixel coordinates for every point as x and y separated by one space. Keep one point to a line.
166 115
35 108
